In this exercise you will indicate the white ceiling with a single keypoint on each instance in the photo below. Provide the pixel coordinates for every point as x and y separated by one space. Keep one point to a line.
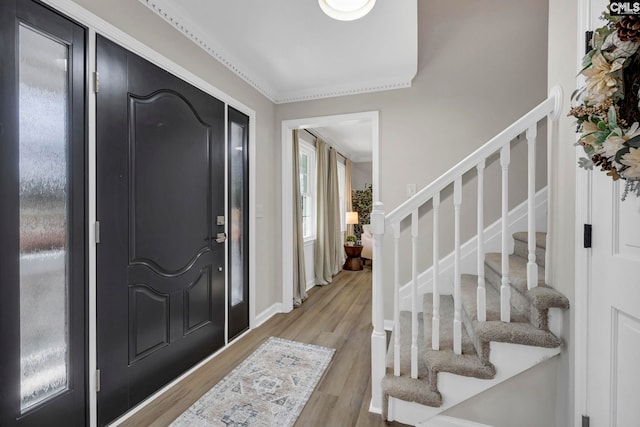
352 139
291 51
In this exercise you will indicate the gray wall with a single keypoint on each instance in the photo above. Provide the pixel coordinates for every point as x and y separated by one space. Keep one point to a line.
361 174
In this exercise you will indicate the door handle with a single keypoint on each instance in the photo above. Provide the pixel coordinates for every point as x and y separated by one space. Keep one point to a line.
221 237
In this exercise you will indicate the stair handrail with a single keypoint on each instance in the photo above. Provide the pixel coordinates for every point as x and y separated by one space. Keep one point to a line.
551 108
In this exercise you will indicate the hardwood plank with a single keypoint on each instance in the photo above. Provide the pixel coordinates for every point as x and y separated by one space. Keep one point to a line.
337 316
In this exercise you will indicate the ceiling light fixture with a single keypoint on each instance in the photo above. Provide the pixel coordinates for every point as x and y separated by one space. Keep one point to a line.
346 10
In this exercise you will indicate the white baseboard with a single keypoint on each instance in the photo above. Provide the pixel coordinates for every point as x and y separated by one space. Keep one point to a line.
443 421
469 250
268 313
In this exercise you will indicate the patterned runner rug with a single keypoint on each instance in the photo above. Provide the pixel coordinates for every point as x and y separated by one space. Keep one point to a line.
269 388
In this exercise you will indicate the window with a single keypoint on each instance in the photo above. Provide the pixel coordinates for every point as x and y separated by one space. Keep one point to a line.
308 189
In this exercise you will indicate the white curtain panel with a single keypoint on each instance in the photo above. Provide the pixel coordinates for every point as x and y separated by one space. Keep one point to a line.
333 213
299 273
322 268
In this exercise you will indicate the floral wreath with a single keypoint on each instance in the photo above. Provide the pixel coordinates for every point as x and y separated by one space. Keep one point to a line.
607 107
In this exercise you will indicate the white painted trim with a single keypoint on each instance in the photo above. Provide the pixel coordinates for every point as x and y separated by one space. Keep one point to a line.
96 25
469 250
253 189
226 225
92 299
444 421
388 325
583 266
287 186
268 314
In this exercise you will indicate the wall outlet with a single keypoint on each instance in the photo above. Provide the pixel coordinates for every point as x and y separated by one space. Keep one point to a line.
411 190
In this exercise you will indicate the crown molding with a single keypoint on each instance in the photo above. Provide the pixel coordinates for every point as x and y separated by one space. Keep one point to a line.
191 31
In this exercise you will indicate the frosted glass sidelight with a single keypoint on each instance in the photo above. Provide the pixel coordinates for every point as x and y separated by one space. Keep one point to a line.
43 145
237 197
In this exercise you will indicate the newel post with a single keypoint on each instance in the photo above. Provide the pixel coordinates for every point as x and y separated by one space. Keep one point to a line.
378 337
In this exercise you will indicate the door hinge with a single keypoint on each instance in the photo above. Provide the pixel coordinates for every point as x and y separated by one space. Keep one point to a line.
588 35
585 421
96 82
97 380
97 232
587 236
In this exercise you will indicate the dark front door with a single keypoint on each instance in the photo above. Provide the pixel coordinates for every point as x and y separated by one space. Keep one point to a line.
43 350
238 136
161 256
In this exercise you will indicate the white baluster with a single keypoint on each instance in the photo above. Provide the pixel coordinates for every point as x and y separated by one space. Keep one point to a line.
379 336
435 319
505 290
396 301
414 294
532 266
457 298
481 293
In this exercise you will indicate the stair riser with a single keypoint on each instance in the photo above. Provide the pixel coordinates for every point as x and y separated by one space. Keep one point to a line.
518 301
521 249
468 325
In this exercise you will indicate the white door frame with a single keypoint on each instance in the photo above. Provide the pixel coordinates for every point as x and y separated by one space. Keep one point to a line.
287 185
583 263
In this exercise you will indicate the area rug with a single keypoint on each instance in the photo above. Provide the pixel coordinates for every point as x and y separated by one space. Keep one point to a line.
269 388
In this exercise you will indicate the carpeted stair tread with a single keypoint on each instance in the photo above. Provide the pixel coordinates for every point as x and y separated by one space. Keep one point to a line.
409 390
518 331
521 246
405 346
541 238
468 363
517 270
543 298
468 289
515 333
404 387
446 325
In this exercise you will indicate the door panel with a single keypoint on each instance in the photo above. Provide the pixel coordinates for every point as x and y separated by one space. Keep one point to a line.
238 149
42 217
614 332
160 180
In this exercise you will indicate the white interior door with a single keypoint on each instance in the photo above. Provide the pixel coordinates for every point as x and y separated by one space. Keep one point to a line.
614 307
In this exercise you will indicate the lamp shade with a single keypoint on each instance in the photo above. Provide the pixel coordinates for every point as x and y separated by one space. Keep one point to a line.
346 10
352 218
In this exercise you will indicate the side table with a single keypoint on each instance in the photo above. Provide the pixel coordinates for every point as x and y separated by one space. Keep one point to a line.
353 262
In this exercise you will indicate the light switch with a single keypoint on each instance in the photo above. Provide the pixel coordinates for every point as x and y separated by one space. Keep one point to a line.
259 211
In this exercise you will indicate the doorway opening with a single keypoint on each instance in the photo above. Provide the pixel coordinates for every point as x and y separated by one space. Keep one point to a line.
370 117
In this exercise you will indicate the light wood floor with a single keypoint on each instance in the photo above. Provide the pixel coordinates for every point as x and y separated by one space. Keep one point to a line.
336 316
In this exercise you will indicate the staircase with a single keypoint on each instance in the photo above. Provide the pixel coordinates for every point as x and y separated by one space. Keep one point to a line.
450 343
529 327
